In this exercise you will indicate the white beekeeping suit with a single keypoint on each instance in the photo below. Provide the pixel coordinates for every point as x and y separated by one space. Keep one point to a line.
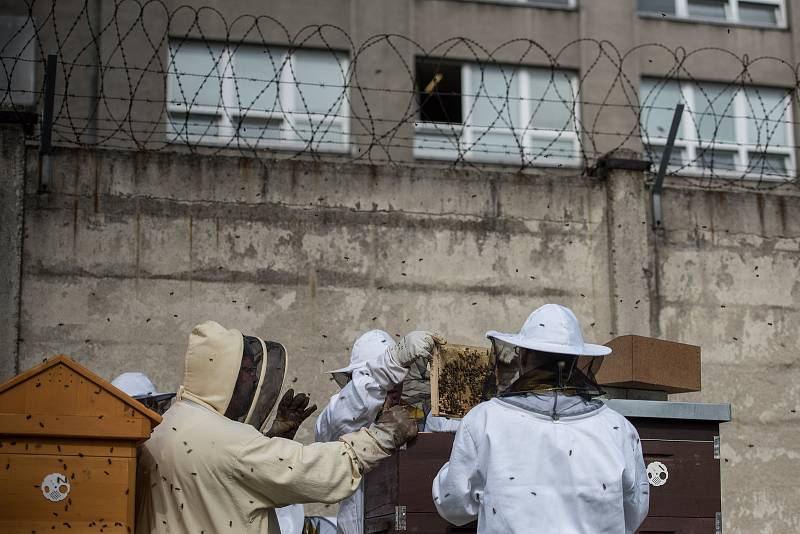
545 457
203 471
377 365
139 386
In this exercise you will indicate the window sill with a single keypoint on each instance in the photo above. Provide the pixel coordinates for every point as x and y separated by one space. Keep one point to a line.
511 3
213 141
723 174
511 160
712 22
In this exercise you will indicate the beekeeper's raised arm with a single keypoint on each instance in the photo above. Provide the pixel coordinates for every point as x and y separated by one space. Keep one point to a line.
377 365
208 468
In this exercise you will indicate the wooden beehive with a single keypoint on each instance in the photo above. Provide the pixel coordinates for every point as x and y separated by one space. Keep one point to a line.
459 375
398 491
68 451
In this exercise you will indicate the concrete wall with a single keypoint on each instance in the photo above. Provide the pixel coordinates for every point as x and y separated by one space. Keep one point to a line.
730 282
133 248
12 176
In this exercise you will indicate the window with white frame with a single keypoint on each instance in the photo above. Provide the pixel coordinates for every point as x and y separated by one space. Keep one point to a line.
756 12
496 114
726 130
257 96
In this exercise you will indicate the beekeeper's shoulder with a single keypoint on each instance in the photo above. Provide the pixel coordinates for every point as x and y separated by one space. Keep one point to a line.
478 414
616 420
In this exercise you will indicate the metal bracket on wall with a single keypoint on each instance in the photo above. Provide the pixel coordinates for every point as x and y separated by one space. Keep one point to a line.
658 185
400 518
718 523
45 142
716 447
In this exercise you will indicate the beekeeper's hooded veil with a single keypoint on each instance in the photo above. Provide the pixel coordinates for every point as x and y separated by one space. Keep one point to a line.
213 363
201 471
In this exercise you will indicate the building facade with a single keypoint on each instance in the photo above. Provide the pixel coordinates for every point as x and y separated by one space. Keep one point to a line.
541 83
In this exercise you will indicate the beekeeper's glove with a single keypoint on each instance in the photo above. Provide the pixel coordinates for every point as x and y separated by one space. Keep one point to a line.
414 345
371 445
393 428
292 412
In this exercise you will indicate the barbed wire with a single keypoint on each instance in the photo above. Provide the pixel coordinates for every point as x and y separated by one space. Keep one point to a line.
145 76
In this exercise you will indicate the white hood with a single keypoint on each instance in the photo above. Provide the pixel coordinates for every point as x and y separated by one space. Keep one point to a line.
367 348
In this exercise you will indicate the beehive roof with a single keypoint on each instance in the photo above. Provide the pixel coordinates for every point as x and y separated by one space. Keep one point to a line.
60 397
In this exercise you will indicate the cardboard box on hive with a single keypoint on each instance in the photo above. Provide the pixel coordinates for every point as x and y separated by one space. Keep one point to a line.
645 363
68 451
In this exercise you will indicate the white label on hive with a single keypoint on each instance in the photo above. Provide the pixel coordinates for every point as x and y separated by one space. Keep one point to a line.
657 473
55 487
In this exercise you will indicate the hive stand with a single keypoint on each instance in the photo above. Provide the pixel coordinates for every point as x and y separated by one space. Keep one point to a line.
68 451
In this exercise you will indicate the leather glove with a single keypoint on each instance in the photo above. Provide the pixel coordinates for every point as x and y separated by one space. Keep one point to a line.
393 428
414 345
292 412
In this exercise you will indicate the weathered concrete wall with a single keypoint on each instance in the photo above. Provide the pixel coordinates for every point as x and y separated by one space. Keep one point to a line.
12 179
132 249
730 282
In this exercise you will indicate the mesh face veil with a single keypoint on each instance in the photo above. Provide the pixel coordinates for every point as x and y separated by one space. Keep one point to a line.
519 370
272 372
260 377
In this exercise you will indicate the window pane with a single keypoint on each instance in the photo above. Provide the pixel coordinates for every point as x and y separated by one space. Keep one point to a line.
257 77
323 134
438 91
552 101
496 146
195 76
319 78
758 13
658 99
708 9
553 151
441 140
714 116
767 122
496 103
657 6
193 125
252 131
655 153
715 159
769 165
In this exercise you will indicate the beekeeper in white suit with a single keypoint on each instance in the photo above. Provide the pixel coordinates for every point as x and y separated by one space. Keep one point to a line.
544 456
139 386
377 365
202 470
